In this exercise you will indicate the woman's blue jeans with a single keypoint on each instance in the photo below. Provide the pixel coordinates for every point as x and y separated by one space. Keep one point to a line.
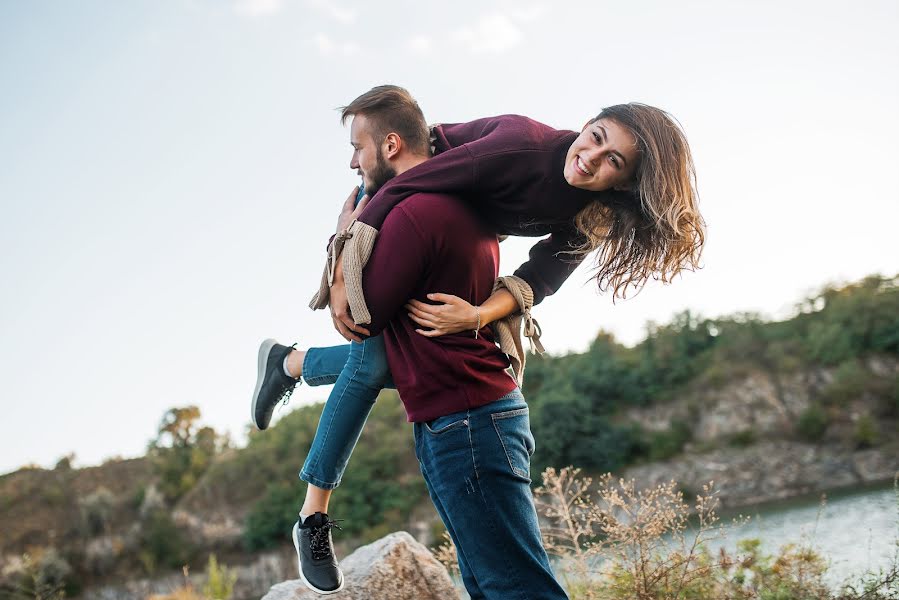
359 372
476 464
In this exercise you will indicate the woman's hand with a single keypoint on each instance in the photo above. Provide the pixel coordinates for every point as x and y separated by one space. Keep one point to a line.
350 211
453 316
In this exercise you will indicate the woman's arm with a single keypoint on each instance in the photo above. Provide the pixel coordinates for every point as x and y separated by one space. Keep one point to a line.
456 315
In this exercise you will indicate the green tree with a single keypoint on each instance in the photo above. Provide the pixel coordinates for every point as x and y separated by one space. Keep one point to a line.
182 450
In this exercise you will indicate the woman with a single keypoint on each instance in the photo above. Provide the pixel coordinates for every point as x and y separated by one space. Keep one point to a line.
624 188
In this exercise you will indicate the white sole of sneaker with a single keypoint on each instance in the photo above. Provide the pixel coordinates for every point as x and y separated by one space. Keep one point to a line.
296 545
261 361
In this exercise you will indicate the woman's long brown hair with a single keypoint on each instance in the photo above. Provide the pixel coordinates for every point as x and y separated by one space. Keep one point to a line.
656 231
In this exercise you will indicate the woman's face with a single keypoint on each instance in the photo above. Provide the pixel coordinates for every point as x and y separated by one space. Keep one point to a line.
603 157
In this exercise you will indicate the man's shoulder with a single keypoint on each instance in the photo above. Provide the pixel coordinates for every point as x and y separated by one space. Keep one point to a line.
432 211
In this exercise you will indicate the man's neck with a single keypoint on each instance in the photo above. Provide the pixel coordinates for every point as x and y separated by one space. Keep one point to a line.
406 163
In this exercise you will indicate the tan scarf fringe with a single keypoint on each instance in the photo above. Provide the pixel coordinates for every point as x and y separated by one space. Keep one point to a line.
353 246
508 330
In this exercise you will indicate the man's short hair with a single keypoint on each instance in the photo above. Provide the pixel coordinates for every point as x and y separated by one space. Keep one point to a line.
392 109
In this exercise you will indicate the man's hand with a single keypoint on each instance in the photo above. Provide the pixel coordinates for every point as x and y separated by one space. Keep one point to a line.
349 212
340 307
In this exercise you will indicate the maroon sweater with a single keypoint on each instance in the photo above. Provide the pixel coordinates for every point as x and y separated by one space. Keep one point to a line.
433 242
510 170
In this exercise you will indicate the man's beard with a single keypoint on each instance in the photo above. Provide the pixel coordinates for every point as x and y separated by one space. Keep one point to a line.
381 174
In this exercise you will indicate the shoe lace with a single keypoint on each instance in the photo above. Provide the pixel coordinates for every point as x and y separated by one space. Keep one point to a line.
320 543
284 396
286 391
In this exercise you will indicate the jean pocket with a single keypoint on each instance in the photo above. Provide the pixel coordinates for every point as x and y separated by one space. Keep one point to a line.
514 430
444 424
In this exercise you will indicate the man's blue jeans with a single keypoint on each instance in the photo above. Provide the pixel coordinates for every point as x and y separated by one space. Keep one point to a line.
476 464
359 372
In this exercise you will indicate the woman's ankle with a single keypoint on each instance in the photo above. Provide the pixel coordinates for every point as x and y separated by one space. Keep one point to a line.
295 363
316 500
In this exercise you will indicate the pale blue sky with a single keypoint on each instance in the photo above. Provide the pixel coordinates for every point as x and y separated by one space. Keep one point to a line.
171 170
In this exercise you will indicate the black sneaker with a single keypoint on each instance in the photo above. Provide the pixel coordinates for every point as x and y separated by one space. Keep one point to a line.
272 384
318 566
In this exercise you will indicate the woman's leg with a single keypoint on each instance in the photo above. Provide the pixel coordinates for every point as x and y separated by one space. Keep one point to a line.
344 415
363 375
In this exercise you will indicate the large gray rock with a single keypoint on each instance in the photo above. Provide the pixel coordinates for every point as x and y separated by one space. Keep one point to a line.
396 567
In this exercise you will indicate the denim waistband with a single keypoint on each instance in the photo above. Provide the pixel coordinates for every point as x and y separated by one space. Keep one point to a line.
512 400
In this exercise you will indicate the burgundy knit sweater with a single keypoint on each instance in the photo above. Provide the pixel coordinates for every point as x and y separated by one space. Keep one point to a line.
435 243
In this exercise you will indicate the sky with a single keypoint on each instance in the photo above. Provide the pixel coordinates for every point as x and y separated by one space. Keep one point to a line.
171 171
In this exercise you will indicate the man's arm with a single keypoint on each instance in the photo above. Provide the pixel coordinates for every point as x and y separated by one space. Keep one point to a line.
395 269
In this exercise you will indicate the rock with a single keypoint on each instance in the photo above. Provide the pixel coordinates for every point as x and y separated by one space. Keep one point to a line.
396 567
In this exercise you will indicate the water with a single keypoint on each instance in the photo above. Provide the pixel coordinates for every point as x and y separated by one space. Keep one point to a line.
855 530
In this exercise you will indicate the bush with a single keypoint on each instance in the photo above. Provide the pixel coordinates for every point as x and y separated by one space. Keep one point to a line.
662 445
742 439
96 509
44 575
620 543
812 423
219 580
271 519
850 380
161 543
865 434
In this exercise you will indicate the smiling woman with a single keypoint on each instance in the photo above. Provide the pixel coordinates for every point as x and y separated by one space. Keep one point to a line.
648 155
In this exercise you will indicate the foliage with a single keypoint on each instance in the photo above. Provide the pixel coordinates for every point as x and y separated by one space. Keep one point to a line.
580 401
615 541
43 575
96 510
865 433
812 423
182 451
272 517
162 544
220 580
662 445
375 497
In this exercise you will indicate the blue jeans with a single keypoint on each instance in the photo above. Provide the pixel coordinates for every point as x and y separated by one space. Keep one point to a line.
359 372
476 464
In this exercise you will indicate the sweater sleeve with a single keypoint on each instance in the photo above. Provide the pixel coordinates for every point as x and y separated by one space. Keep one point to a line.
451 171
396 267
550 262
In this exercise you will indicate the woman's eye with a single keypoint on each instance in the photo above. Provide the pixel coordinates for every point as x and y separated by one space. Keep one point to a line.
614 161
597 138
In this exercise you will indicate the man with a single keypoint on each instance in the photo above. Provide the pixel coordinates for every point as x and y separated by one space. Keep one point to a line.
472 434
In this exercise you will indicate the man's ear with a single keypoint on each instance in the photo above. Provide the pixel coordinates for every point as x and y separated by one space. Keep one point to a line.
393 144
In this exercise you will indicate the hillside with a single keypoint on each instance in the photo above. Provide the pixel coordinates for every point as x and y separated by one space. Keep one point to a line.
767 409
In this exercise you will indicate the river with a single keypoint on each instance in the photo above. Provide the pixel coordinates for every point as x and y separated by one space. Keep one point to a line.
856 530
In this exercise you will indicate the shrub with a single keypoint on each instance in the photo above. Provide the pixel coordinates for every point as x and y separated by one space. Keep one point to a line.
812 423
850 380
42 575
96 509
662 445
650 553
271 519
742 439
219 580
865 434
161 543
